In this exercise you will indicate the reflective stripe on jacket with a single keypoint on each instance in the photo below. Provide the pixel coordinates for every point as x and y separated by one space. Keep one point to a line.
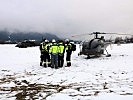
69 47
45 47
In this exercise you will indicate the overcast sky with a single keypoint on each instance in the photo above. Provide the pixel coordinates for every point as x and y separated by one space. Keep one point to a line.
67 16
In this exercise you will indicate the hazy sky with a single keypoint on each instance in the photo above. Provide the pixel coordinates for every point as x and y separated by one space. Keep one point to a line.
67 16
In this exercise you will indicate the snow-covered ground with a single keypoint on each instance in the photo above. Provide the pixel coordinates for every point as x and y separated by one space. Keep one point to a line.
104 78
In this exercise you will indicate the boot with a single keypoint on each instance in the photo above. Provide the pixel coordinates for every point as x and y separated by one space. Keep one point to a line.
40 63
44 65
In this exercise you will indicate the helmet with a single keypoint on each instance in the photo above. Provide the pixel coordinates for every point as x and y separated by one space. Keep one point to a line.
67 40
46 40
53 40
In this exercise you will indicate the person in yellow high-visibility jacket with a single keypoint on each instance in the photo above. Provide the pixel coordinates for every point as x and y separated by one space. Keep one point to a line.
54 50
61 53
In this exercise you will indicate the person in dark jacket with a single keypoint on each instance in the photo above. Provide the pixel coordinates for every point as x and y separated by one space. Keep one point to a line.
45 57
68 52
41 51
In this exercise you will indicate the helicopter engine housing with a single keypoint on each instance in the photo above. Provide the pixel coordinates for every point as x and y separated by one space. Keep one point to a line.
93 47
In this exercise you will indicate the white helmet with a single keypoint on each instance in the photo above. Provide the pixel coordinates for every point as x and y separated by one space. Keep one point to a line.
67 40
46 40
53 40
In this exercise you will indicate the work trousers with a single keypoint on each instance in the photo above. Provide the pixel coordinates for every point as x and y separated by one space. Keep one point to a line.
54 60
68 58
60 60
45 59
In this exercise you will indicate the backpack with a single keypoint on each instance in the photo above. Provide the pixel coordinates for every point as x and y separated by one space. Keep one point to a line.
73 47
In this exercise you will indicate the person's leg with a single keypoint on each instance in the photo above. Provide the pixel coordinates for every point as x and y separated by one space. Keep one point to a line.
49 61
44 59
52 61
68 59
62 60
59 60
56 61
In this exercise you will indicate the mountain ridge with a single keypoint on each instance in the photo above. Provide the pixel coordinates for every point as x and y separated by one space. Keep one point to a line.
20 36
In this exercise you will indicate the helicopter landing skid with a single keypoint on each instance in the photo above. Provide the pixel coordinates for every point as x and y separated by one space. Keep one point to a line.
108 55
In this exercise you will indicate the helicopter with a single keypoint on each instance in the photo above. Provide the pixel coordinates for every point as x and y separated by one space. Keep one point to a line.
94 47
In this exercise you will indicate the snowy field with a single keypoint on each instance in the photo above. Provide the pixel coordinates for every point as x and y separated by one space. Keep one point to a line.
104 78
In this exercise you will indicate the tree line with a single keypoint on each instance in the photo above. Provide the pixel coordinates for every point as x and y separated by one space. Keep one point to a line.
124 40
21 36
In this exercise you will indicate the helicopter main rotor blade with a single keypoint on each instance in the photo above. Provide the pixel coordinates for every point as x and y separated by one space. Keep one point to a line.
96 33
81 34
120 34
88 34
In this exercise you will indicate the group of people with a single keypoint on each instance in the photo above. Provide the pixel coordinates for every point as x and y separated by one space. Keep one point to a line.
52 53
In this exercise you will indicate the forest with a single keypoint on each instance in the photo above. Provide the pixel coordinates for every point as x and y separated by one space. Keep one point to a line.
21 36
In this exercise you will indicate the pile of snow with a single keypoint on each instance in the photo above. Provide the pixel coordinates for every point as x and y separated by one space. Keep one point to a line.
103 78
